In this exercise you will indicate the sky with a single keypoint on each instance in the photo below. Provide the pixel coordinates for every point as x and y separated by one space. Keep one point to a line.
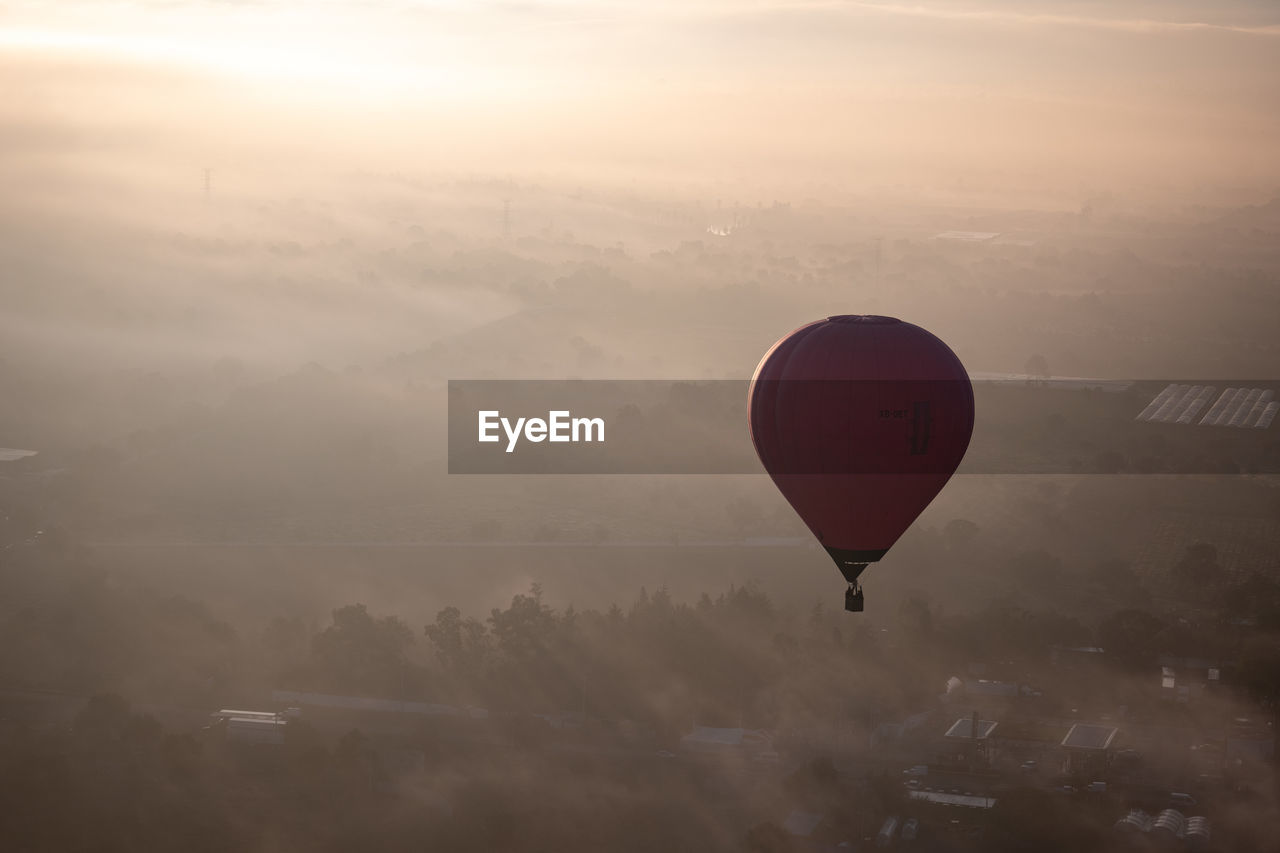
1059 94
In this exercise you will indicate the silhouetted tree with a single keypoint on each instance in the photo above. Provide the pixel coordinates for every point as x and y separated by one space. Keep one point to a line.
1198 572
959 532
1037 366
358 652
462 645
1129 637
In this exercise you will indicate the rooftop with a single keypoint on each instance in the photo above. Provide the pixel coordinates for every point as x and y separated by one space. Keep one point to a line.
711 735
1086 736
802 824
986 687
963 728
971 801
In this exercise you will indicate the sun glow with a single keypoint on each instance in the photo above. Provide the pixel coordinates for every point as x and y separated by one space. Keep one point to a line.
280 51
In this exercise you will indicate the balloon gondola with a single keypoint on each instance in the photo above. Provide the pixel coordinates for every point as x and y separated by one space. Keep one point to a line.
860 421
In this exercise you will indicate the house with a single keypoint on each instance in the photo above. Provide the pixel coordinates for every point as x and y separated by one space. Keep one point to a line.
1027 737
1078 658
1250 740
260 727
968 741
1167 828
1185 679
260 730
942 798
890 732
988 695
722 741
802 824
1089 749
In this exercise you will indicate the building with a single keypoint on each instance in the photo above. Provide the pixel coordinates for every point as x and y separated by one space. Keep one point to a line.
1169 829
968 801
1186 679
969 741
1027 737
1135 821
802 824
1250 740
891 732
1078 658
260 730
1089 749
990 698
266 727
712 740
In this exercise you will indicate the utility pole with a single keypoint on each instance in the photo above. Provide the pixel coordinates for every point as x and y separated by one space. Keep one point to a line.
973 731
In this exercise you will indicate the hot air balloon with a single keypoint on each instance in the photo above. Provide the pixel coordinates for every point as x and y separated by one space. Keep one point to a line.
860 421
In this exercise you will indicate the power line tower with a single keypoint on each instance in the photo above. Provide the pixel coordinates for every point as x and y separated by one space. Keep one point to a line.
506 219
208 184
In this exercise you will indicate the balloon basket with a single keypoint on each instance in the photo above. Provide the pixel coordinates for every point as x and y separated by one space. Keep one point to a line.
853 599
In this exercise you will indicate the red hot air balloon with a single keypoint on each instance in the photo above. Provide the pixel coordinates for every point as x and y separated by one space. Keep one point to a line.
860 421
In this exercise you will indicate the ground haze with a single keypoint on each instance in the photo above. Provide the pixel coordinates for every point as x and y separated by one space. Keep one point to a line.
244 247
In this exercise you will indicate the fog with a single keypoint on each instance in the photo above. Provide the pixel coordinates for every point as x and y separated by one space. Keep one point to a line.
244 248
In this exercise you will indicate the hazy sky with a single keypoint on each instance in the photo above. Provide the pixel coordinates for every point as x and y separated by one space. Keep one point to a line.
1048 93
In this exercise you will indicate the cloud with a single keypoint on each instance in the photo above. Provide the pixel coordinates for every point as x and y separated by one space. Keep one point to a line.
977 14
1006 17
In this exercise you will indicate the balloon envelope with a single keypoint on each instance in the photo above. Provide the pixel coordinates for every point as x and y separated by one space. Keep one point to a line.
860 421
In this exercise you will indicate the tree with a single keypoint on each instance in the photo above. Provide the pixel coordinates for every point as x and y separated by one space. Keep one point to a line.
745 514
1129 637
1110 462
358 652
1117 579
285 636
359 771
1038 570
1257 598
1197 571
959 532
462 645
1034 819
524 629
915 618
768 838
1038 366
1259 675
104 717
